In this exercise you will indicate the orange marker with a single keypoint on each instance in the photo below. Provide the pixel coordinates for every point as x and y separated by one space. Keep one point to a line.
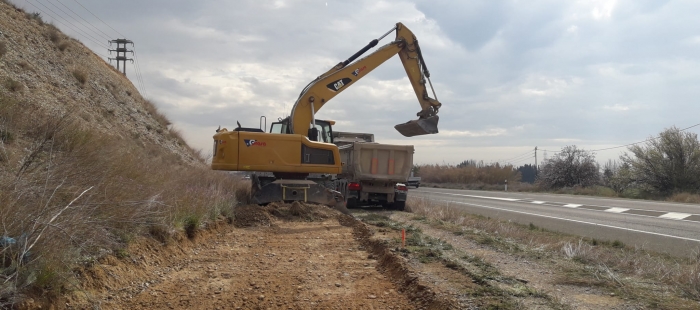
403 238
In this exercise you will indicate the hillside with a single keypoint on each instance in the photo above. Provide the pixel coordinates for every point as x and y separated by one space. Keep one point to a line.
86 163
52 73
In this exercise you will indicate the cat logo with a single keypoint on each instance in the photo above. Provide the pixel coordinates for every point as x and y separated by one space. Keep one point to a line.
337 85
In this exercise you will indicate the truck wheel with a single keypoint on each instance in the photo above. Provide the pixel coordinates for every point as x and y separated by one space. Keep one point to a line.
351 204
417 185
399 205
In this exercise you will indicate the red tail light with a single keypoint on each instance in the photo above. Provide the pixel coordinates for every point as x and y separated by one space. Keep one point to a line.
354 186
402 187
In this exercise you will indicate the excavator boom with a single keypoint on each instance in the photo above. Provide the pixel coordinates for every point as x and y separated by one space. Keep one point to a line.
340 77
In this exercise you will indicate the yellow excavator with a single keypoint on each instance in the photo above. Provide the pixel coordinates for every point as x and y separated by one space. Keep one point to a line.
297 160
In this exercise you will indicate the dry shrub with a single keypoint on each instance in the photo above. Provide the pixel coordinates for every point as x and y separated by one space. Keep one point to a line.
80 75
63 45
685 197
24 64
13 85
76 194
3 49
470 174
53 34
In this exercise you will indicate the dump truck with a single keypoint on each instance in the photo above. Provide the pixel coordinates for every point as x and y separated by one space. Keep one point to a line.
376 173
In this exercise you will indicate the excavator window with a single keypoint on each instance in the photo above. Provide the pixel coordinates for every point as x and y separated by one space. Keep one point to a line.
324 131
278 127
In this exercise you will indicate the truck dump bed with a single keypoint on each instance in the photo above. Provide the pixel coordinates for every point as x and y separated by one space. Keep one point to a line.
370 161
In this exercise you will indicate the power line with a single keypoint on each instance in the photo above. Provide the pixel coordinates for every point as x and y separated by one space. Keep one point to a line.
77 21
520 161
526 153
93 14
139 74
67 21
629 144
105 36
59 21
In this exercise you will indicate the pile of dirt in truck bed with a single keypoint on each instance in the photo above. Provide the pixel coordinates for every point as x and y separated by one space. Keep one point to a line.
280 256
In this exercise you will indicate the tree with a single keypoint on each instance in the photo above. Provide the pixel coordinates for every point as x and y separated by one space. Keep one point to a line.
668 163
528 173
570 167
617 176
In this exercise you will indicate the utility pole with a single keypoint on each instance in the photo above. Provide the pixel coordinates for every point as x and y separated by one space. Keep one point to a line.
121 53
535 162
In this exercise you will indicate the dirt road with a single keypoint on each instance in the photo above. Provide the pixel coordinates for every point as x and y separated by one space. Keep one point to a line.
306 260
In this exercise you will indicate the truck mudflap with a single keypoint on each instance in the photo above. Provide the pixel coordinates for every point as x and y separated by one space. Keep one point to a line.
423 126
297 190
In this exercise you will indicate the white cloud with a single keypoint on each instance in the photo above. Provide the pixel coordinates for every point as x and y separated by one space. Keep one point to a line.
617 107
494 132
602 9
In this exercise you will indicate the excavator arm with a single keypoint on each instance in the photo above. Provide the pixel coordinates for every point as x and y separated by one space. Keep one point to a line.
344 74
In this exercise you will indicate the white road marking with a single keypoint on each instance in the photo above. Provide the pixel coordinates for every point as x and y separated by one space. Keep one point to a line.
484 197
675 215
570 220
616 210
668 215
571 205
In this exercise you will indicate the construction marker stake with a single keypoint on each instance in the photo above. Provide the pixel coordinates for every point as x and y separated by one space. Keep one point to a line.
403 238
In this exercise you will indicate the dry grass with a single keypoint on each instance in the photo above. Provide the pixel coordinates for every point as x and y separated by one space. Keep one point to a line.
156 114
80 75
70 194
54 34
63 45
611 264
685 197
3 49
13 85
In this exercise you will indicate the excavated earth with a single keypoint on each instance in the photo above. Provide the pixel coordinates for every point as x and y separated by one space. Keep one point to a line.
276 257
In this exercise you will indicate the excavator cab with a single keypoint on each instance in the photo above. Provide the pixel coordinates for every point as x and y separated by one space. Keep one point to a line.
321 132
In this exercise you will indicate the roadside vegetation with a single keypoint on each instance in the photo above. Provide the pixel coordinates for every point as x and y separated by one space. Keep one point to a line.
665 167
657 280
70 194
487 288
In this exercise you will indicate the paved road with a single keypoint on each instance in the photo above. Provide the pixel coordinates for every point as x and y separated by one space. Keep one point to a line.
661 226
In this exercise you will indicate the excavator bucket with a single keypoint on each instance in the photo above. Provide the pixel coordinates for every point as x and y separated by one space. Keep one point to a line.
424 126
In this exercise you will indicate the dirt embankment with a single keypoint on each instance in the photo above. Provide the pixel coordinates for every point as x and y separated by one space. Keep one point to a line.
276 257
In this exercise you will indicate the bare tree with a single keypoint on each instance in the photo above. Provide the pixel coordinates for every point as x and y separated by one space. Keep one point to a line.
668 163
570 167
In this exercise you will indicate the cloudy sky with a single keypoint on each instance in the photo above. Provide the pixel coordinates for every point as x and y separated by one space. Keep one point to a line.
511 75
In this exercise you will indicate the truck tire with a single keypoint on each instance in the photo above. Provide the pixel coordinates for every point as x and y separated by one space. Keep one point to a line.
399 205
417 185
351 203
